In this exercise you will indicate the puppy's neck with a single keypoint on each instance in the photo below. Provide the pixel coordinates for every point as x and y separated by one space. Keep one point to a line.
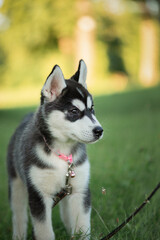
64 147
57 146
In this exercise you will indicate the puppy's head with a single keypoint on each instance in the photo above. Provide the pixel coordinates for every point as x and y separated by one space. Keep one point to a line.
68 107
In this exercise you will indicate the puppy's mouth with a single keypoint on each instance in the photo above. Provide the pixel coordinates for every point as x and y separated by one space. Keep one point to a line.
86 141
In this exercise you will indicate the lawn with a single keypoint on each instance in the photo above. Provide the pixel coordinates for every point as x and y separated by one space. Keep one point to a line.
126 162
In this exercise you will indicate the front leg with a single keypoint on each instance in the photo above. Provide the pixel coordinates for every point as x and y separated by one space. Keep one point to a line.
75 213
41 214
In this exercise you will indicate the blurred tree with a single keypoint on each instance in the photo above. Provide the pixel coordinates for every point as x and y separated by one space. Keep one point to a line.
2 57
40 24
3 60
116 63
85 37
148 71
108 33
128 30
35 28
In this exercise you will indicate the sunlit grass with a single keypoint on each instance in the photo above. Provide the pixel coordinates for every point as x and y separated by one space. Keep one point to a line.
30 95
10 98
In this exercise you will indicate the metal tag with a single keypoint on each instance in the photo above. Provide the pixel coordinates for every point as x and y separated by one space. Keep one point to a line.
68 189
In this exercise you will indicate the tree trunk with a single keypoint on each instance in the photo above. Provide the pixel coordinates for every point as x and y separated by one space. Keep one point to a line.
148 71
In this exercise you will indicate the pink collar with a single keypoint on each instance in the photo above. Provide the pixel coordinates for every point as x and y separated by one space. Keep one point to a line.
68 159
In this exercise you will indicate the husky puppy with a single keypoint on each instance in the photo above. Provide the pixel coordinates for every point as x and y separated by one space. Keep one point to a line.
61 126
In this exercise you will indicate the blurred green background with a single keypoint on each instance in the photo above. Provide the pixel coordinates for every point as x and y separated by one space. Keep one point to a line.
117 39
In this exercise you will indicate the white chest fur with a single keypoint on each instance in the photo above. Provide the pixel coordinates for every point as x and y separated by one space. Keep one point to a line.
51 180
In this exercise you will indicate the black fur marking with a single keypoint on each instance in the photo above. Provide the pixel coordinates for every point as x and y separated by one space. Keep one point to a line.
33 236
42 98
79 115
23 157
12 152
76 75
74 116
73 93
42 127
33 160
81 160
28 147
89 113
36 203
11 169
83 155
87 200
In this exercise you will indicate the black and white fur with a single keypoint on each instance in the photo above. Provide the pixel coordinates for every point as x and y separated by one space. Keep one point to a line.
67 121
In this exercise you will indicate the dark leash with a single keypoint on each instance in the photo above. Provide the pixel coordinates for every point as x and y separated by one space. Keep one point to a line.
65 192
68 187
117 229
59 196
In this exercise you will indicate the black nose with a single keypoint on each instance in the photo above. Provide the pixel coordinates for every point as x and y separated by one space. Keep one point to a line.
98 132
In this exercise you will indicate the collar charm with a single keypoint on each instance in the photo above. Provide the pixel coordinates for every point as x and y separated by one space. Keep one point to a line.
70 173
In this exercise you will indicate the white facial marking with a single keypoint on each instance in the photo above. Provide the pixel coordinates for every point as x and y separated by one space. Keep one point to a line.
80 92
58 125
89 102
81 130
79 104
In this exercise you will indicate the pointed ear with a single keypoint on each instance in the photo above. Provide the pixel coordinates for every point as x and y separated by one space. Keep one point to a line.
81 75
54 84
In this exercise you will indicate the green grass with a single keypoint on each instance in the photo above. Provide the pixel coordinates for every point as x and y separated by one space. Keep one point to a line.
125 162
